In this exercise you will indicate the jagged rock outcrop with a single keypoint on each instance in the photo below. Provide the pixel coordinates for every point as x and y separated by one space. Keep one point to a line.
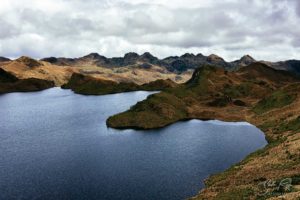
243 61
173 64
289 65
178 64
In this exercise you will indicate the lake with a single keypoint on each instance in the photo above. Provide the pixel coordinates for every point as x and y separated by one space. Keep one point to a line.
54 144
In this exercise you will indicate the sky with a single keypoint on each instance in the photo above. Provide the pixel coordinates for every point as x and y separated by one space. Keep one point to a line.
264 29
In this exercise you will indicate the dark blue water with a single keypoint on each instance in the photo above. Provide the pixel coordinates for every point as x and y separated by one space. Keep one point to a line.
55 145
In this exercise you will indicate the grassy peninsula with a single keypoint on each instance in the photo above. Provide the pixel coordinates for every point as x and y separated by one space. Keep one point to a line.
258 94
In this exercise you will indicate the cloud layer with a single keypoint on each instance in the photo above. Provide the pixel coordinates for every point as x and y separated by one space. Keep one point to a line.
267 29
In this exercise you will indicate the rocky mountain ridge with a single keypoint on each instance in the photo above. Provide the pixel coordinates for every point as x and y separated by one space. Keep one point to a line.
178 64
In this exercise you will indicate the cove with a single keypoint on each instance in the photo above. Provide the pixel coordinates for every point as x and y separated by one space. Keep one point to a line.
54 144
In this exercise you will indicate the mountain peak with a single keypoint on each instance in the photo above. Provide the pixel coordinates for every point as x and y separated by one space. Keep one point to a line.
131 55
247 58
147 55
93 55
28 61
188 55
214 58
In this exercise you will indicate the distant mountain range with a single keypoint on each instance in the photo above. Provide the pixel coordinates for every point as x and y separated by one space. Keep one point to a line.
173 63
146 60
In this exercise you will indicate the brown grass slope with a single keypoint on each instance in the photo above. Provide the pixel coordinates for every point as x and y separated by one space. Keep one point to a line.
263 96
10 83
25 67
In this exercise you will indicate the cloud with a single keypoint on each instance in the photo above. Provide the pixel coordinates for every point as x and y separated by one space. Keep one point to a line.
297 7
265 29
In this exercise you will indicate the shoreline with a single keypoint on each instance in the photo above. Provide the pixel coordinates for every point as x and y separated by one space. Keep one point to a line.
263 97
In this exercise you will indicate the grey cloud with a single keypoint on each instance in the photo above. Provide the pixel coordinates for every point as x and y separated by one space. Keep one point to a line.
297 7
7 29
296 42
115 27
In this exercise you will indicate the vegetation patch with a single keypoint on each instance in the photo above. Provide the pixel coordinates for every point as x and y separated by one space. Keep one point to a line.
293 126
267 125
276 100
236 91
238 102
216 178
220 102
296 179
237 193
158 109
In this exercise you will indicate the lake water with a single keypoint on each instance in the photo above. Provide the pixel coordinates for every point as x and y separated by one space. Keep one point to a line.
54 144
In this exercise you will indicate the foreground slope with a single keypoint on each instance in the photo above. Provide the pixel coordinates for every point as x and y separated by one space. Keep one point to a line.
258 94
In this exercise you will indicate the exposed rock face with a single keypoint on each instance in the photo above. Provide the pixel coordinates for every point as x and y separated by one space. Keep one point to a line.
173 64
246 60
10 83
96 59
176 64
214 58
243 61
289 65
148 58
93 59
191 61
130 58
93 56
